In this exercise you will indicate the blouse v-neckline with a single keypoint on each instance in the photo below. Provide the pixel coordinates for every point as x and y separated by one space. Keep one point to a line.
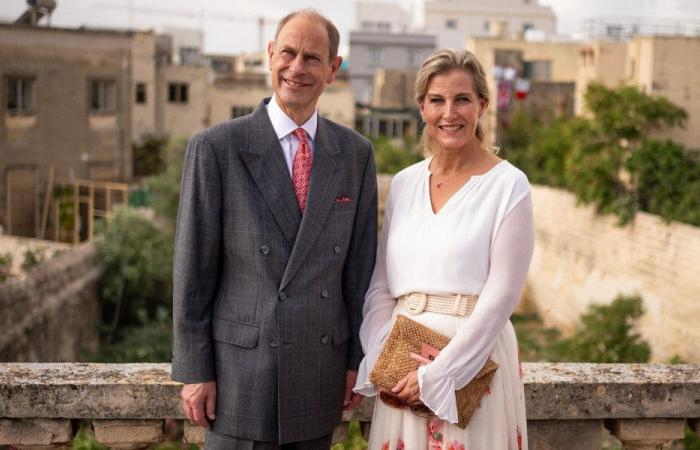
470 181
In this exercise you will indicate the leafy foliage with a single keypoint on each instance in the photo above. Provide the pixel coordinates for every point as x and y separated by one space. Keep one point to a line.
5 264
690 439
355 441
609 160
606 335
137 281
33 257
164 188
148 155
391 159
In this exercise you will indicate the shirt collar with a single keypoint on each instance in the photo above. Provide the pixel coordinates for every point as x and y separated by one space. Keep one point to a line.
284 125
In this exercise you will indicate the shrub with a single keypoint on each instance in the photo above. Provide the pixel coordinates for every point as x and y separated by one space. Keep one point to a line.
608 159
33 258
137 280
164 189
391 159
606 335
148 155
5 265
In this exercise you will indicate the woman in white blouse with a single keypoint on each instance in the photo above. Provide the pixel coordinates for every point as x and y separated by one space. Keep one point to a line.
459 222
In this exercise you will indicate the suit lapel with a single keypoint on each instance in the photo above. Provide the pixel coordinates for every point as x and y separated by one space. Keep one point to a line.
267 167
322 190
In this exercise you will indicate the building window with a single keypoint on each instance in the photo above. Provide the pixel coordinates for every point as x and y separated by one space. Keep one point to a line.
102 96
451 24
20 95
221 66
177 92
527 27
374 57
538 70
384 27
487 25
238 111
415 58
140 93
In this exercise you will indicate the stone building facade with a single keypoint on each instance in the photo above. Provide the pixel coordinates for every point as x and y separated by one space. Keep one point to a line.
66 103
659 65
75 100
453 21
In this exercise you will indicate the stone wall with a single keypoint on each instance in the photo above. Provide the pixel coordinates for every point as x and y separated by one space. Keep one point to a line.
583 258
50 314
132 406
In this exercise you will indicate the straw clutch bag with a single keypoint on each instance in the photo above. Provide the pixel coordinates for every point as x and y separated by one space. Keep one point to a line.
408 336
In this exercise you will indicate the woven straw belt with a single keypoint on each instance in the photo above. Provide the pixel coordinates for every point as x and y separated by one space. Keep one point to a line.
456 304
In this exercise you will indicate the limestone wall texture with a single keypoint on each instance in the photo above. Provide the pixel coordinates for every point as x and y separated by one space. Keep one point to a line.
583 258
50 314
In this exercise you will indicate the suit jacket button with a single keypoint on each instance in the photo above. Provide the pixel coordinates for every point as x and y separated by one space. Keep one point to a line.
336 249
282 295
273 343
324 293
324 339
264 249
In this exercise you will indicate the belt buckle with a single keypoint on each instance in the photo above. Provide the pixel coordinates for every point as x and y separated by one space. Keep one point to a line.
421 306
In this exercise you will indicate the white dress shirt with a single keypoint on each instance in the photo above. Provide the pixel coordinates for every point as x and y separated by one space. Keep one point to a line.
284 126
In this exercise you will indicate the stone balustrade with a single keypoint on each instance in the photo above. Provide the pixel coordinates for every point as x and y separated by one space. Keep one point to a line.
130 406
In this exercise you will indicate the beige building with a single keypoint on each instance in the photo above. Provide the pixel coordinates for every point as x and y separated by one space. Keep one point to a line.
75 100
660 65
453 21
549 67
66 104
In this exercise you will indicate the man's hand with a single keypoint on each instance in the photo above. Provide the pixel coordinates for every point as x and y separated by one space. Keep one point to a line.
351 399
199 402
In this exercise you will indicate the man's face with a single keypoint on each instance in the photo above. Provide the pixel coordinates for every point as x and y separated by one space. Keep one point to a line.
299 64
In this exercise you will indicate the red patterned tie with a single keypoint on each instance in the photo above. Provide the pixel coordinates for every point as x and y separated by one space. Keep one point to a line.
301 168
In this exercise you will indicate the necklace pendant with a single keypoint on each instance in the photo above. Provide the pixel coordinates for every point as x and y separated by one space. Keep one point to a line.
439 184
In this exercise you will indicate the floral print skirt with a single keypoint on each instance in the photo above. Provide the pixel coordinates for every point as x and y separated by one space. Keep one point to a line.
498 424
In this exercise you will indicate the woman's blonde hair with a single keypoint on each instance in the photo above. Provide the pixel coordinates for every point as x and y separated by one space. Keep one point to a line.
441 62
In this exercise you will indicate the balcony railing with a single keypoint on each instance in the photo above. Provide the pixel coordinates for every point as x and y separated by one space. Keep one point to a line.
132 405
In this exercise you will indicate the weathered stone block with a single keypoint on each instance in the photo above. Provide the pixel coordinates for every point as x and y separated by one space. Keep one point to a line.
128 434
194 434
637 429
35 431
648 434
558 434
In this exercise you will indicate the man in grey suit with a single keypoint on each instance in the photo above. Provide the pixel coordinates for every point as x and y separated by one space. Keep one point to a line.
274 250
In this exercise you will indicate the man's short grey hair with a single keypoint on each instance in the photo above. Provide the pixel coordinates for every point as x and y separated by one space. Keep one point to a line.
333 35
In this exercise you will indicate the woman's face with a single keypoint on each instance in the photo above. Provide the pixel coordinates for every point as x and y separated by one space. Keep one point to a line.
451 110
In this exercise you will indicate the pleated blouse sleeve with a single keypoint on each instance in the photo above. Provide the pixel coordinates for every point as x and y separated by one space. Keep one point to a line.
468 350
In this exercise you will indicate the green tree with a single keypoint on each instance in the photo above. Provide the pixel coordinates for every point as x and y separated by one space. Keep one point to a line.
608 158
164 188
390 158
137 280
606 335
148 158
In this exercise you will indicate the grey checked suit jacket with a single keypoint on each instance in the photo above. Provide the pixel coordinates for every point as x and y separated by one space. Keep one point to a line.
266 302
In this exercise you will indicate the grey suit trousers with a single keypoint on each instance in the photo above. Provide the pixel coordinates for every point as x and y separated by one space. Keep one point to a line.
219 441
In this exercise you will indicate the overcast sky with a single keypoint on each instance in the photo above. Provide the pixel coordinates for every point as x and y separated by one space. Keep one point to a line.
230 26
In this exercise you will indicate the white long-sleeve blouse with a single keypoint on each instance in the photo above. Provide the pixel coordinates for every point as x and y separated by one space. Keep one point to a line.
480 242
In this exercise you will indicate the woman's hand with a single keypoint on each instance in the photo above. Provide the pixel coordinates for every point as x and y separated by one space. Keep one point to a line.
407 389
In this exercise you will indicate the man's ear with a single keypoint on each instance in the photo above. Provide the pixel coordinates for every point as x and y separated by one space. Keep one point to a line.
270 52
335 67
